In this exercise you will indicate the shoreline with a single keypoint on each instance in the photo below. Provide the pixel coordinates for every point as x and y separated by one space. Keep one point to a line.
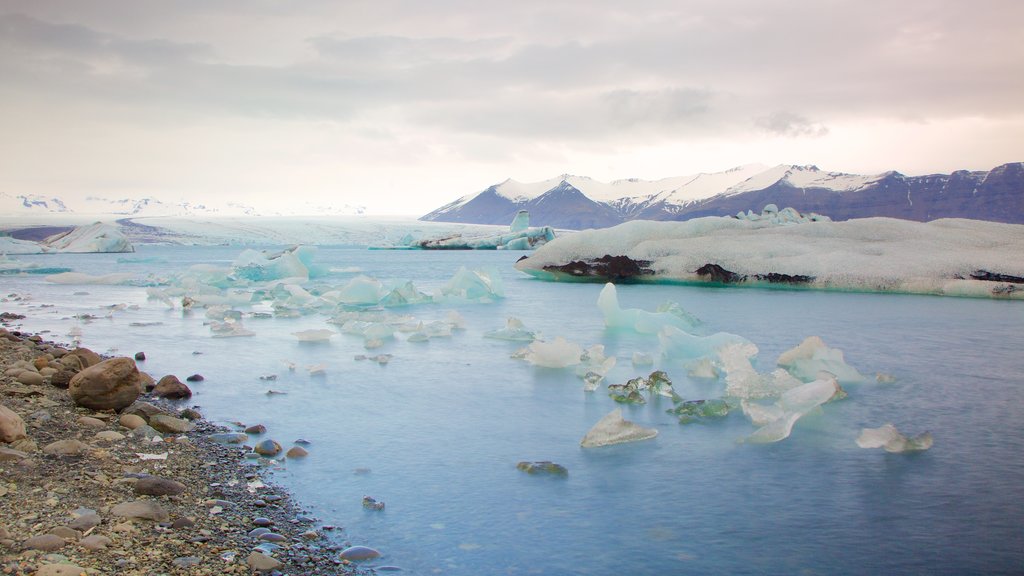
71 500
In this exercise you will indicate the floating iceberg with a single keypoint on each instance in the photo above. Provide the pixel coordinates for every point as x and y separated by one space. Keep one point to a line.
476 285
558 353
296 262
321 335
776 422
98 237
679 345
10 245
889 438
514 330
613 429
812 356
641 321
950 256
83 278
519 237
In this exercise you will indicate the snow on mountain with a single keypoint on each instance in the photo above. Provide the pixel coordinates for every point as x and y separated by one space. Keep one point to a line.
995 195
30 204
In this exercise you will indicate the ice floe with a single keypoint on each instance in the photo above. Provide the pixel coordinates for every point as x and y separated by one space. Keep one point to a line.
890 439
642 321
948 257
614 429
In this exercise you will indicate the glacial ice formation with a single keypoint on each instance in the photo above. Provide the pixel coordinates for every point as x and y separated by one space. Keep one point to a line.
474 285
614 429
98 237
812 356
642 321
514 330
10 245
949 256
519 237
677 345
776 421
83 278
889 438
296 262
559 353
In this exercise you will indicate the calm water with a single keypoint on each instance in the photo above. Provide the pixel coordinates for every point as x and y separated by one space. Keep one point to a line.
441 427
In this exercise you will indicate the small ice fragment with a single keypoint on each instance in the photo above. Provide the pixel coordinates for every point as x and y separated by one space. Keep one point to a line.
883 378
889 438
812 356
613 429
642 359
792 406
514 330
641 321
556 354
321 335
317 370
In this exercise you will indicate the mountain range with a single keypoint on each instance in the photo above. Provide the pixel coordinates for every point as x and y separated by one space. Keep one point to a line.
578 202
34 204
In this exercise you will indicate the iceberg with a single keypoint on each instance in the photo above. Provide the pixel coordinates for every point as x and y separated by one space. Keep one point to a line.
514 330
812 357
776 422
474 285
98 237
559 353
613 429
953 257
83 278
679 345
296 262
10 245
641 321
889 438
519 237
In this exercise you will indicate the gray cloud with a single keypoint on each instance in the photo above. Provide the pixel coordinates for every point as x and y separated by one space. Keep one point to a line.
791 125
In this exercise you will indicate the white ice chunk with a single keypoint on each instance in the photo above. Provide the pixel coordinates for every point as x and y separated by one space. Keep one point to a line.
889 438
558 353
813 356
593 361
702 368
520 222
777 422
477 285
10 245
514 330
262 266
98 237
642 359
361 290
679 345
639 320
613 429
743 380
82 278
321 335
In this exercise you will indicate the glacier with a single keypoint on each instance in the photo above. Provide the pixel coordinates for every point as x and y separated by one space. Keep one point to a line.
950 257
98 237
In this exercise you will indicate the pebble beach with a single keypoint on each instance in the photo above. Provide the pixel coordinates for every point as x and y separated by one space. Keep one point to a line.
149 488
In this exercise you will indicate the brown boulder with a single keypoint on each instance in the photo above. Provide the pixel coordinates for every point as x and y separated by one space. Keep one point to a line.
110 385
170 387
12 427
87 357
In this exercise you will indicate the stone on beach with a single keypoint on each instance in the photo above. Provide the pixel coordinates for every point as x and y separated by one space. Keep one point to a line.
12 427
170 425
131 421
296 452
158 486
141 509
68 447
110 385
95 542
60 570
267 447
261 562
30 378
171 388
44 542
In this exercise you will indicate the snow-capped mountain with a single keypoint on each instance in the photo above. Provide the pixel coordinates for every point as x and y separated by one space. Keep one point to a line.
577 202
28 204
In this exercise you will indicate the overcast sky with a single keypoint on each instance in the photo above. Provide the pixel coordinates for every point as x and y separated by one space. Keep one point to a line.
402 106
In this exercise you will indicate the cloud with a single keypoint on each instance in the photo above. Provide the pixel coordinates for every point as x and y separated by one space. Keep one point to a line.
791 125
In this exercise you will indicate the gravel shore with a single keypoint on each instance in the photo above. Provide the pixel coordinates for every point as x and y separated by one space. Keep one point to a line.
83 492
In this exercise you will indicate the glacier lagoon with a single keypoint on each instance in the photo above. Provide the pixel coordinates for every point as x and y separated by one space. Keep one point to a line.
437 431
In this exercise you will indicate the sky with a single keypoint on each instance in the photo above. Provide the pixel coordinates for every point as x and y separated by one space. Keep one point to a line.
402 106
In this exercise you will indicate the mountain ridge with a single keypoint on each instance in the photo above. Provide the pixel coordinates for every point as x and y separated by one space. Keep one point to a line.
995 195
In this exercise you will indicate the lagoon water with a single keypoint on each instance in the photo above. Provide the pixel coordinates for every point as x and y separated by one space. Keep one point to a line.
437 432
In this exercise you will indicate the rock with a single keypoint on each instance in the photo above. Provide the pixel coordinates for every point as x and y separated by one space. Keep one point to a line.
68 447
296 452
131 421
140 356
110 385
10 454
371 503
158 486
30 378
62 378
109 436
90 422
142 409
95 542
170 424
148 382
145 431
261 562
12 427
170 387
263 522
44 542
543 467
186 561
267 448
191 414
141 509
182 523
66 533
257 429
60 570
359 553
41 362
85 357
85 522
228 437
195 378
26 445
257 532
